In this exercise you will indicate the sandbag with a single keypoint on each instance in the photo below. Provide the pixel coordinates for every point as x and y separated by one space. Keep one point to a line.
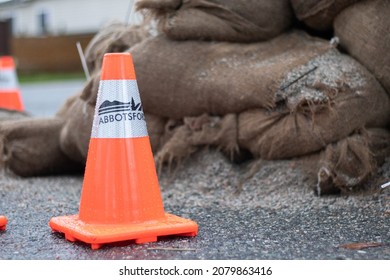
349 162
182 138
227 20
329 104
115 37
76 131
188 78
319 14
30 147
363 30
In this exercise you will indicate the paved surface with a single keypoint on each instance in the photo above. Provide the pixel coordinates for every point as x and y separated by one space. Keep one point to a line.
44 99
274 216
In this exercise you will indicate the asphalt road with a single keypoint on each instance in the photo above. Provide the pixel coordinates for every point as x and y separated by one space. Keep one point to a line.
44 99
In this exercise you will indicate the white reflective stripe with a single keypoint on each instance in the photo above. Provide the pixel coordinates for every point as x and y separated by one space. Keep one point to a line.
8 79
118 111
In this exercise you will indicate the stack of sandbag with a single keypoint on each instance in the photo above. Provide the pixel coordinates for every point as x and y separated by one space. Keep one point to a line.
220 20
212 77
288 97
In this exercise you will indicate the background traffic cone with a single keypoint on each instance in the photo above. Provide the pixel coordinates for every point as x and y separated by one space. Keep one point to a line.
3 222
120 197
10 97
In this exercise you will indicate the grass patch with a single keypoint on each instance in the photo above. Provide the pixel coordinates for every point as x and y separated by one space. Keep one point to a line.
48 77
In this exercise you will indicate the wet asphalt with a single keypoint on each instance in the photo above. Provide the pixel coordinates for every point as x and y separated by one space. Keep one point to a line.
290 224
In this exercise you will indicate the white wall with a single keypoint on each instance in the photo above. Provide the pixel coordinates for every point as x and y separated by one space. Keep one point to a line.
66 16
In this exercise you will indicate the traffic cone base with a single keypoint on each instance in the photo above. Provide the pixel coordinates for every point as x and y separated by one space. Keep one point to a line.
144 232
3 222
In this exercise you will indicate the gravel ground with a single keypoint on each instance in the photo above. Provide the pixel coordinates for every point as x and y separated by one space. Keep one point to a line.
272 215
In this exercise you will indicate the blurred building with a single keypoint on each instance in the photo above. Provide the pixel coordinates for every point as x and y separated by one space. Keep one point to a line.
55 17
31 30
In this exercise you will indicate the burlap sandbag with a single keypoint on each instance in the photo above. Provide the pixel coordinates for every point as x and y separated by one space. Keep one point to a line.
30 147
76 131
220 20
322 104
182 138
327 105
115 37
343 165
348 163
189 78
363 30
319 14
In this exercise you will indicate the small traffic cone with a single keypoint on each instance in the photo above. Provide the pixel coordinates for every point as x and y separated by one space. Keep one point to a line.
3 222
10 97
120 198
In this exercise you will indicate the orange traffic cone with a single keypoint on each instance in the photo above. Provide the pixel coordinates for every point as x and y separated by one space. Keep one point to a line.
120 197
9 87
3 222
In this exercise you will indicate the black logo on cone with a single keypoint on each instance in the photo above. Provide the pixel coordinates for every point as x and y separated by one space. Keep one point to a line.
117 111
117 106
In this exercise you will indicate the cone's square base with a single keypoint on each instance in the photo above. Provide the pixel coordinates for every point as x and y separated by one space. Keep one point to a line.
3 222
99 234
